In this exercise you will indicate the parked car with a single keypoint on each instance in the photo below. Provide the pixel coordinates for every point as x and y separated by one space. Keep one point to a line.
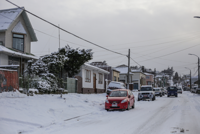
115 85
194 89
146 92
172 91
158 91
179 90
120 99
198 90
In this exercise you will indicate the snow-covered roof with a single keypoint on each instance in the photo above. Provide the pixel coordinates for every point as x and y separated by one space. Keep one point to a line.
122 70
8 16
158 76
95 68
146 86
148 74
7 69
11 52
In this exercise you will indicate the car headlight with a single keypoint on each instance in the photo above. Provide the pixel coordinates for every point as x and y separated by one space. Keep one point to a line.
107 101
125 100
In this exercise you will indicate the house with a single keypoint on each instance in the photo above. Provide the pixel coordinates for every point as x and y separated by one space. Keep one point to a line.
113 73
149 79
162 80
168 71
16 35
123 75
91 79
138 79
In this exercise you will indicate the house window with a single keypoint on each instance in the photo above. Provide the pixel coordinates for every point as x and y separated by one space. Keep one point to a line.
1 43
18 42
115 78
148 82
100 79
147 77
13 61
88 76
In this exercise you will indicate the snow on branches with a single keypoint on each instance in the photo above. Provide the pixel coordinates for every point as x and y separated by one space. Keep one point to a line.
48 67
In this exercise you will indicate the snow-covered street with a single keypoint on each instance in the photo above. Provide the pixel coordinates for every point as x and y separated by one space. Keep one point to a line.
84 113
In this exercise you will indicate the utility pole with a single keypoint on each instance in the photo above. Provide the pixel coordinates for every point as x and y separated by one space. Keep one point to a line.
190 81
190 78
128 68
59 35
154 77
198 74
198 81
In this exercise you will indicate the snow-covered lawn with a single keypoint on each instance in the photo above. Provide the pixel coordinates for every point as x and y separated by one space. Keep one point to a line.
84 113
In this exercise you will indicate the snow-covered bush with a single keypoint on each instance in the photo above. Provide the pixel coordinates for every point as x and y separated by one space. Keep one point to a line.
48 67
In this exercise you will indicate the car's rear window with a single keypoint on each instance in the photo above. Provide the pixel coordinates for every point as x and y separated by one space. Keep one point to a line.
118 94
171 88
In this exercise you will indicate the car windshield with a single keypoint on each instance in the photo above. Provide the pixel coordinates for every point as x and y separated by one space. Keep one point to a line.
146 89
171 88
118 94
156 89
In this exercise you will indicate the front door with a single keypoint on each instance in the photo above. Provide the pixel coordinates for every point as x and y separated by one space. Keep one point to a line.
94 82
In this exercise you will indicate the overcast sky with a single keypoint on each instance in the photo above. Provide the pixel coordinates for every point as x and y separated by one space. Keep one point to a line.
159 33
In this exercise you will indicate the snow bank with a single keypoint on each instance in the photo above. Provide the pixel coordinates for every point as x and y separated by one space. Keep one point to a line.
15 94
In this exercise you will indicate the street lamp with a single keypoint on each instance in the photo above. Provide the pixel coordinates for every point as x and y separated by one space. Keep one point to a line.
190 78
198 81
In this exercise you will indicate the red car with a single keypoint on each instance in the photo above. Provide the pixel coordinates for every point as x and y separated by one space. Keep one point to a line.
120 99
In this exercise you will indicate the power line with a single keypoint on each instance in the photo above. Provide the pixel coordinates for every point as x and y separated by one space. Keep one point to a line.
163 58
66 30
171 53
135 61
164 48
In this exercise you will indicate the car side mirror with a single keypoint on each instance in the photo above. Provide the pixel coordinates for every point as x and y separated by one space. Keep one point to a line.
129 96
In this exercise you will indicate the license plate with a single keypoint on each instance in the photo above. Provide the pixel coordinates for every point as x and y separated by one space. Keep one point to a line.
114 105
172 94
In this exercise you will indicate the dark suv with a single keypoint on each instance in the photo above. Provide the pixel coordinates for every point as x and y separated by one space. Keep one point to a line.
172 91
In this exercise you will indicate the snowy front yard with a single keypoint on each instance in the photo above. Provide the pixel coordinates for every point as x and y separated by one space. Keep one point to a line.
84 113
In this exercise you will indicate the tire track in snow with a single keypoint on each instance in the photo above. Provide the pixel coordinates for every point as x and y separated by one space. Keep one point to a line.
18 121
144 128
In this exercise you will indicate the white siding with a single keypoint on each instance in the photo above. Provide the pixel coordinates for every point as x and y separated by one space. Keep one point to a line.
3 59
87 84
90 84
99 86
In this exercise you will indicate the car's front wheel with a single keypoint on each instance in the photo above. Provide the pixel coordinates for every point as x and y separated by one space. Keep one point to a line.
128 108
154 98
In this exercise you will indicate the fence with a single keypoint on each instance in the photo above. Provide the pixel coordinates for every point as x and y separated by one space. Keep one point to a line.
8 80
